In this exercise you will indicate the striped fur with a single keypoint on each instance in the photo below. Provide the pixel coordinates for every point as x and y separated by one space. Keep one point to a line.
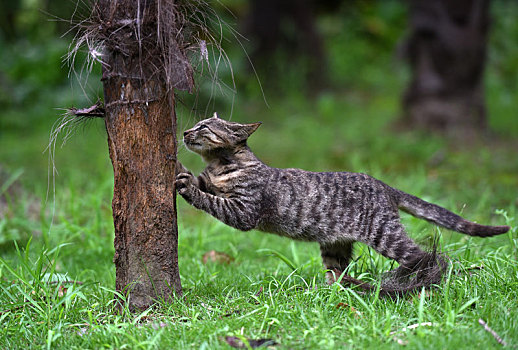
334 209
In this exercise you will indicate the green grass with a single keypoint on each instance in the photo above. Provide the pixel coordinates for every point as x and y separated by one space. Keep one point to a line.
274 288
258 295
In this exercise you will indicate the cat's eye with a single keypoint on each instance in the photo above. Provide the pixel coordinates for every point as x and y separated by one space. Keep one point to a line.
201 127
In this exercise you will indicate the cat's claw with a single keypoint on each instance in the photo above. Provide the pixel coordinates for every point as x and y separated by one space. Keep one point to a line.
183 183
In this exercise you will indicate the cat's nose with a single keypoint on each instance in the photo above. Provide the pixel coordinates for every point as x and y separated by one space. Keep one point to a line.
186 132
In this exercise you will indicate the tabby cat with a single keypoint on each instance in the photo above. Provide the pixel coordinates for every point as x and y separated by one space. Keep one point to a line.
334 209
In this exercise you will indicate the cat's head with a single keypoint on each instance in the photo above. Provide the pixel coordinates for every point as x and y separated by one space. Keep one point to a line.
215 133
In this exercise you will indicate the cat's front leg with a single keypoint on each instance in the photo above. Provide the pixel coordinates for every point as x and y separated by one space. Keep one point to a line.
186 184
188 177
240 213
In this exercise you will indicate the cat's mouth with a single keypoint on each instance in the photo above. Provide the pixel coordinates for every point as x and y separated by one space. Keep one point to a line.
191 143
193 146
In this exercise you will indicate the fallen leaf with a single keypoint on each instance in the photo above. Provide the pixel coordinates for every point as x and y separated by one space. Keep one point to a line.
341 305
413 326
404 329
356 313
82 331
427 293
475 267
62 290
217 257
158 325
401 341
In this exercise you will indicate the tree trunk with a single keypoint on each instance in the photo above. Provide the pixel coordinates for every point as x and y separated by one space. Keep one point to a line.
141 127
142 146
447 54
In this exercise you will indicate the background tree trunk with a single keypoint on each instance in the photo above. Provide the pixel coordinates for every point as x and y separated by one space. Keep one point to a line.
141 126
447 54
269 25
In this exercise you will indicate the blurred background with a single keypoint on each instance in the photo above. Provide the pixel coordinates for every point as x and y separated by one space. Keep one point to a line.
422 95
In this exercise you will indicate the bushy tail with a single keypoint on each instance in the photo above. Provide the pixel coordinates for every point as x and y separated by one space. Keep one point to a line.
443 217
425 271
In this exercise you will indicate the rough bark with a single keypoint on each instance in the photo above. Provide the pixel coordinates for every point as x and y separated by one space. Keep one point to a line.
141 127
447 53
142 146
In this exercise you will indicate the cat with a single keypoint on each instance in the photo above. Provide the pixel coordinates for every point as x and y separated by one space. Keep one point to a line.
334 209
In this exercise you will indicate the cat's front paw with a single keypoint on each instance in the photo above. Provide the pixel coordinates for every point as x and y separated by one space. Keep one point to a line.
185 184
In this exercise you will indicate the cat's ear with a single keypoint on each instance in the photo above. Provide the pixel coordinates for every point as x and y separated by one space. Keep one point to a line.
250 128
215 115
243 131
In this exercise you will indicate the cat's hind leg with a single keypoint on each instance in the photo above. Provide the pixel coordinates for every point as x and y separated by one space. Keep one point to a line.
336 258
391 240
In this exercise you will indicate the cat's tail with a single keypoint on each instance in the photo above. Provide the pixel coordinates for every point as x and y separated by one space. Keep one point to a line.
425 272
443 217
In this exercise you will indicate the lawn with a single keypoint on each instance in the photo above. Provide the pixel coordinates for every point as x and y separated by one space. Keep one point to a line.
56 230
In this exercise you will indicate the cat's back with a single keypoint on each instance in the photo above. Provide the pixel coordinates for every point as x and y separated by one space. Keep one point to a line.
314 205
309 183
